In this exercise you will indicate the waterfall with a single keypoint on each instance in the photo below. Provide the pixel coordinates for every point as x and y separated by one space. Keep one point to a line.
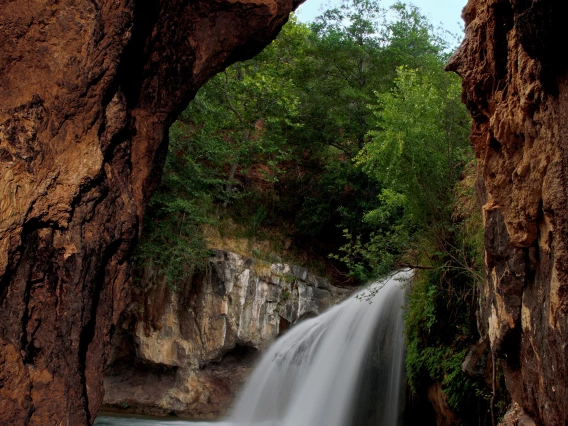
342 368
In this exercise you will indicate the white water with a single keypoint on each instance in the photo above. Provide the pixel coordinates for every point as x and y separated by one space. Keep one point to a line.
342 368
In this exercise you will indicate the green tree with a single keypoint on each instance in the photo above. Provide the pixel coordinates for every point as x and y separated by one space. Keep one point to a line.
420 143
353 51
244 110
342 67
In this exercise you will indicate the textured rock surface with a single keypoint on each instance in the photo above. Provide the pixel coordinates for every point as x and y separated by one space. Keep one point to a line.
190 349
515 416
516 88
444 414
88 89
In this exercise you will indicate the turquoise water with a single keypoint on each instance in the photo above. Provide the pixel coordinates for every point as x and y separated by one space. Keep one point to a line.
121 420
110 419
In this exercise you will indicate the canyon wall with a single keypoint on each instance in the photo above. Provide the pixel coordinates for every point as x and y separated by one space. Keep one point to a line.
88 89
187 351
515 85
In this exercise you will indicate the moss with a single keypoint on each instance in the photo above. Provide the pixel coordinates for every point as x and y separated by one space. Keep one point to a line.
439 334
440 315
285 296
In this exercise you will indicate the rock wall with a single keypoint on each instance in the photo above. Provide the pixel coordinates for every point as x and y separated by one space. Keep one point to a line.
515 83
188 350
88 89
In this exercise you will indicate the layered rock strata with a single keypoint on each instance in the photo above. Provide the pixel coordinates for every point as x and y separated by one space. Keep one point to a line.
189 349
515 85
88 89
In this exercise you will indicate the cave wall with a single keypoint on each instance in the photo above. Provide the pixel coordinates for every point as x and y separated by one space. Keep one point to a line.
515 85
88 89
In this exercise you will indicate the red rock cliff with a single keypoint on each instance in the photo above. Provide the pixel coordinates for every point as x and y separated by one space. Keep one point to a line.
88 89
515 83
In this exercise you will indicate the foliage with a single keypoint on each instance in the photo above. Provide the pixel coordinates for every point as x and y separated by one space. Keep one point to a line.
242 112
420 144
439 333
271 140
348 60
172 240
278 132
392 230
417 151
440 315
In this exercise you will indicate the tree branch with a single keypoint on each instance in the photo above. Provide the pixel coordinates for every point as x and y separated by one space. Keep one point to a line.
407 265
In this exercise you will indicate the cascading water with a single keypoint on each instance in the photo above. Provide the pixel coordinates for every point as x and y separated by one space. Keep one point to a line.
312 374
342 368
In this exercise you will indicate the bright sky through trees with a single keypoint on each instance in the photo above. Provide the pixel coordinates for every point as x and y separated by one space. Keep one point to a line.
446 13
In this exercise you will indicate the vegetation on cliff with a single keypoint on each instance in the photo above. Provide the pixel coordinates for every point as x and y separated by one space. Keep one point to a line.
273 143
343 143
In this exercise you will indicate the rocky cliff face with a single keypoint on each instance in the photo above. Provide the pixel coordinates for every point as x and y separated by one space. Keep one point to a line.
516 87
88 89
188 350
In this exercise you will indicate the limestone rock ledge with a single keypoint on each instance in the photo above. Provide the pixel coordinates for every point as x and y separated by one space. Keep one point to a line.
190 350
